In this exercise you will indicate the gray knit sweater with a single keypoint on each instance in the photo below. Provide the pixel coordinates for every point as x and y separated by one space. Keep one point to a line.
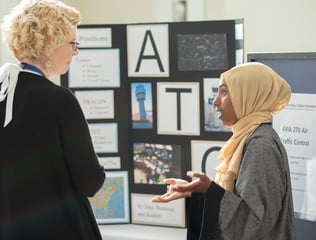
260 208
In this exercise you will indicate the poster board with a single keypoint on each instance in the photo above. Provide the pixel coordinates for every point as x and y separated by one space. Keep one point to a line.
297 130
154 82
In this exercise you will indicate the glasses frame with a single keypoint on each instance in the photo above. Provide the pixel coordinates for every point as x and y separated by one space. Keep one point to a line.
75 45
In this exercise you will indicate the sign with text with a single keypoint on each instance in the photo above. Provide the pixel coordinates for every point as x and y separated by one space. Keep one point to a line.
146 212
178 108
95 68
299 139
98 104
148 50
95 37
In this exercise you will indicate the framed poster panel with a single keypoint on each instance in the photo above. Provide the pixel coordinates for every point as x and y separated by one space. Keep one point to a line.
95 68
104 137
145 212
111 203
97 104
110 162
204 156
148 50
296 127
178 108
91 37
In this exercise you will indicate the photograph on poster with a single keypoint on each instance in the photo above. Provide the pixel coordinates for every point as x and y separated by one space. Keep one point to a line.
178 108
95 37
298 136
204 155
142 106
155 162
104 137
98 104
148 50
111 203
95 68
145 212
211 121
202 52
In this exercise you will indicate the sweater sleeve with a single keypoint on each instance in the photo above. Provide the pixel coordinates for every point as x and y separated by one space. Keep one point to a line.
203 215
252 210
86 173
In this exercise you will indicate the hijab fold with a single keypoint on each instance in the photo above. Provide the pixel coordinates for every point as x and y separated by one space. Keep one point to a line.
257 92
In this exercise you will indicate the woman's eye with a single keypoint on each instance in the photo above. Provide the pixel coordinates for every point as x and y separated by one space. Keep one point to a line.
223 92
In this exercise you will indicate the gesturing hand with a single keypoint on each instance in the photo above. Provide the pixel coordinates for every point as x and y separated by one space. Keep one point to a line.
178 188
171 194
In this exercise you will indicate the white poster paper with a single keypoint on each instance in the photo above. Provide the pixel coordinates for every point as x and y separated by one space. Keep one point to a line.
164 214
97 104
178 108
148 50
110 162
95 37
296 126
204 156
95 68
104 137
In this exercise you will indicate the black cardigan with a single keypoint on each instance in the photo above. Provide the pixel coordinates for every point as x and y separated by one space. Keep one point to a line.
48 167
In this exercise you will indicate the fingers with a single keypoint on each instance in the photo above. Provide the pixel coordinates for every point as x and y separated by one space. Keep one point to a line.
174 181
167 197
170 181
193 174
160 199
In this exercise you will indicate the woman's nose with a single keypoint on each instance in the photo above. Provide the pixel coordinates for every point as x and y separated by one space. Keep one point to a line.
216 101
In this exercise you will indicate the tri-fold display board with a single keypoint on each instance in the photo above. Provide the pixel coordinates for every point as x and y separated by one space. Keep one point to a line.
146 91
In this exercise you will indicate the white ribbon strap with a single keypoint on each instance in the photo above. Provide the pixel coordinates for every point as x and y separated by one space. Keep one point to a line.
8 78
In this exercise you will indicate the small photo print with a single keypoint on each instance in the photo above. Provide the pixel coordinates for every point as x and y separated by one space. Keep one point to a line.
155 162
211 121
202 52
142 107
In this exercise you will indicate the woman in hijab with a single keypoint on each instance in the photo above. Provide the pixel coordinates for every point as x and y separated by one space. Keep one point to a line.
250 197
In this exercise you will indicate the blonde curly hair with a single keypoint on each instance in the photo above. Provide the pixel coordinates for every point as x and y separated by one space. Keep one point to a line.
37 27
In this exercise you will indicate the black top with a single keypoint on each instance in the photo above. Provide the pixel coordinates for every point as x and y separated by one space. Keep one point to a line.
48 166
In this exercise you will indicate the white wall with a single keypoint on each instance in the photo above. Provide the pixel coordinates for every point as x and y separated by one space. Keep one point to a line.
5 55
270 25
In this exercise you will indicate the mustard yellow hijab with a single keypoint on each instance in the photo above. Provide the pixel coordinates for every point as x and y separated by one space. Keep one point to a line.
257 93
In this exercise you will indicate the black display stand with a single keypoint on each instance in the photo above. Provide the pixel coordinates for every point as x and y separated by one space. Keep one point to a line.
160 60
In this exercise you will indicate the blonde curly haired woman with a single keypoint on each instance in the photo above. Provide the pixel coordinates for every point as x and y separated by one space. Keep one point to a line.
48 166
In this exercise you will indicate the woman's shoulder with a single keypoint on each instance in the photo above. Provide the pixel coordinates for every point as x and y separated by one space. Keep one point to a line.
264 137
34 85
265 130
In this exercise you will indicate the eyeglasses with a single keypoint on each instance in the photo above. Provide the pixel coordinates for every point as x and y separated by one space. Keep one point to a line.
75 45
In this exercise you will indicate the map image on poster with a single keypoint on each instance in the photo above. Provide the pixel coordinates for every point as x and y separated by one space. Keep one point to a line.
202 52
110 204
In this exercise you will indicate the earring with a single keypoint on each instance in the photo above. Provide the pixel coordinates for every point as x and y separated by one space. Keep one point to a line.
48 64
